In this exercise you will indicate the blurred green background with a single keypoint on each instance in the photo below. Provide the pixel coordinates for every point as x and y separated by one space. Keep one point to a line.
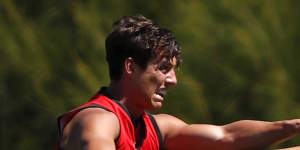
240 61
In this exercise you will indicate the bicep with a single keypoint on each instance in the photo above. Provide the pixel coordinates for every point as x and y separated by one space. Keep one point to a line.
100 143
93 129
197 136
179 135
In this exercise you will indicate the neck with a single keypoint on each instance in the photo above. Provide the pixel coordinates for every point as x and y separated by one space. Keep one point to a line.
120 92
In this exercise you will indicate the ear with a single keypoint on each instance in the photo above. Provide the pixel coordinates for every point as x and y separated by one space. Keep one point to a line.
129 66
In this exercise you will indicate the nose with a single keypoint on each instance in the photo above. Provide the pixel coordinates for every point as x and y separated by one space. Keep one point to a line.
171 78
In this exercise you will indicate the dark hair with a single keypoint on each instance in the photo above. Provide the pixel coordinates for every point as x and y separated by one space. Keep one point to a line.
141 39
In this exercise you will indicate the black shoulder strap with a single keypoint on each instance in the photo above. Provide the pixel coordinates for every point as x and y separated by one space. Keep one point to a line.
89 106
157 130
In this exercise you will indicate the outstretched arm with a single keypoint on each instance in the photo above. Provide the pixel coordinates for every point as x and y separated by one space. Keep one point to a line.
246 134
249 134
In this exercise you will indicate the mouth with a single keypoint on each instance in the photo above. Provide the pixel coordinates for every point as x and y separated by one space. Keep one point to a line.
160 94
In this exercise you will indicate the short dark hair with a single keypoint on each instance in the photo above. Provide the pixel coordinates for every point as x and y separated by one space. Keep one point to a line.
141 39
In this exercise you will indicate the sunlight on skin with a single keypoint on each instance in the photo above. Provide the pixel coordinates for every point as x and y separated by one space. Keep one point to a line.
292 148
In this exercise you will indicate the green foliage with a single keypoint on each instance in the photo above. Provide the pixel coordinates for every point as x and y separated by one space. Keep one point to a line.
240 61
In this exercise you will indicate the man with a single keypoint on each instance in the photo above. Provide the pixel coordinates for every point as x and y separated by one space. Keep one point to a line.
142 58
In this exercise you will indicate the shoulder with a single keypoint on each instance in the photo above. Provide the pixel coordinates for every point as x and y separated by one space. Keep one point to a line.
165 119
168 125
90 124
91 116
90 119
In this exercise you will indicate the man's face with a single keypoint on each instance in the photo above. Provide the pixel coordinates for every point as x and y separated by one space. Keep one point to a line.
151 84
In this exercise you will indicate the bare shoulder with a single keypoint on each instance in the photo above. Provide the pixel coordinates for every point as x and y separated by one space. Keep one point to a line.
166 119
169 125
93 116
88 126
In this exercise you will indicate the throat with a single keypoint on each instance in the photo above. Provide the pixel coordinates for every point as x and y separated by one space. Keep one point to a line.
135 111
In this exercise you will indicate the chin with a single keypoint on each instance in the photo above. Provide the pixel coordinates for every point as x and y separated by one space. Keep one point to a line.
156 106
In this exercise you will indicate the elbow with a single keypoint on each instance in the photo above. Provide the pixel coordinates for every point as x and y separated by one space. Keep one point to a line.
228 141
232 142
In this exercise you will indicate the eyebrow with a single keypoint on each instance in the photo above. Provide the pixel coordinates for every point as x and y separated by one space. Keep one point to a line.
167 63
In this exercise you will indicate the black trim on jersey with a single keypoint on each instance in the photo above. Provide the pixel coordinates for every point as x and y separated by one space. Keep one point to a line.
103 91
135 122
58 124
59 132
157 130
89 106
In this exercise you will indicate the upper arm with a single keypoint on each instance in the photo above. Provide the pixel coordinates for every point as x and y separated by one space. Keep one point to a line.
291 148
168 125
91 129
179 135
198 136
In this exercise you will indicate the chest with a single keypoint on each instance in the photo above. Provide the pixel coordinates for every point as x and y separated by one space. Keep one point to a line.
141 136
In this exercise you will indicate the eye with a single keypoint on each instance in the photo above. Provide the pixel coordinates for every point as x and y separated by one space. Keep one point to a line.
164 68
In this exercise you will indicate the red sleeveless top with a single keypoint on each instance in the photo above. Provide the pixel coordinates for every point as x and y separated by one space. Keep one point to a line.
147 130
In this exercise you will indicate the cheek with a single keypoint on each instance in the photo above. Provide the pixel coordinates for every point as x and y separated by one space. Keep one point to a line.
156 80
153 80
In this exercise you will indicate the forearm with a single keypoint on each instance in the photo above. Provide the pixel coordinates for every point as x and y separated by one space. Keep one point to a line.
248 134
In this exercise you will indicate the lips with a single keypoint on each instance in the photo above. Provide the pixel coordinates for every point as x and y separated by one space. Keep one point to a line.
160 94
